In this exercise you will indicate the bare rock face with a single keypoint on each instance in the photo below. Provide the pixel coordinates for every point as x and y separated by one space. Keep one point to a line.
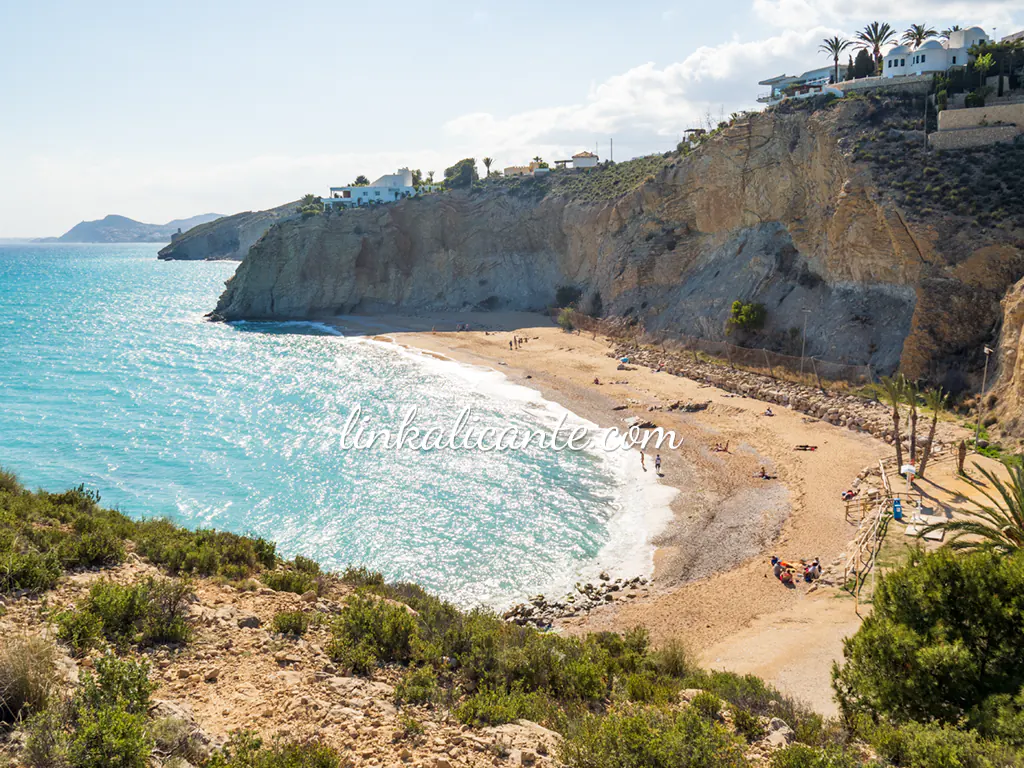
771 209
229 237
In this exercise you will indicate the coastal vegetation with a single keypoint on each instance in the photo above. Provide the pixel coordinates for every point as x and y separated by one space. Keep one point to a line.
936 670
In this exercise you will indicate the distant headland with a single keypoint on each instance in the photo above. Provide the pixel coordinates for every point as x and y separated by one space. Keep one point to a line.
121 229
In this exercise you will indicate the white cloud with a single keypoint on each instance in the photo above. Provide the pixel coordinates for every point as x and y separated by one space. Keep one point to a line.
647 107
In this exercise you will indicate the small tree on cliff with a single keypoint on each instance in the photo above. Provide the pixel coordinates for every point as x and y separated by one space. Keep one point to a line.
462 174
310 205
487 164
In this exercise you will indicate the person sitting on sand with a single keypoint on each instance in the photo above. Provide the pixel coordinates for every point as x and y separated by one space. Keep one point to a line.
597 380
768 412
719 448
786 577
849 494
776 566
762 474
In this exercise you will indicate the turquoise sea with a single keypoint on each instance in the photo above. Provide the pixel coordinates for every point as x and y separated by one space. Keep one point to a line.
109 376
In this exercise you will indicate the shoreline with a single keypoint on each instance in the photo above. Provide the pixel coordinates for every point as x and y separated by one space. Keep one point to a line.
643 504
712 585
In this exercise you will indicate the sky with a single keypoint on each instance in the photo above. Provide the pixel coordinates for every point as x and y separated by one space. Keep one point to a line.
165 110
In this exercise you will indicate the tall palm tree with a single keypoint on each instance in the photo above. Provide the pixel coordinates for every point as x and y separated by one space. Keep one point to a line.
947 32
999 525
935 399
430 177
916 34
834 46
538 159
892 387
487 164
874 37
911 392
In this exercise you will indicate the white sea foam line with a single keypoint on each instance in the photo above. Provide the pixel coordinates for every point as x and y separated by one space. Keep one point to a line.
643 505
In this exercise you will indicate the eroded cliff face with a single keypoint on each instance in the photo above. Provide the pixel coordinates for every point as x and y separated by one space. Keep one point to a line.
772 209
229 237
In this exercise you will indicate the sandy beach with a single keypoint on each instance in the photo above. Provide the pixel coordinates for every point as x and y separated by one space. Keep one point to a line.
712 586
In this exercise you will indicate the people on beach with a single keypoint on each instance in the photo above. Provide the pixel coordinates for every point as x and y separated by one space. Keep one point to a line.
849 494
812 570
597 380
643 461
768 412
806 448
719 448
657 463
762 474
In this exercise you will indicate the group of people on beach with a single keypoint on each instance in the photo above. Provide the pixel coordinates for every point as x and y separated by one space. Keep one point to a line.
657 462
516 343
786 572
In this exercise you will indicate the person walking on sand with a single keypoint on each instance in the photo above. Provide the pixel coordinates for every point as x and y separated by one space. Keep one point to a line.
657 463
510 346
643 462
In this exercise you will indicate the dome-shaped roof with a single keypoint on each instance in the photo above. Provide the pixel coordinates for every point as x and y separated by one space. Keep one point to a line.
930 44
975 29
898 50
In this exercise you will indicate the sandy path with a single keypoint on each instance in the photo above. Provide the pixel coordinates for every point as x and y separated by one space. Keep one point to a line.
713 585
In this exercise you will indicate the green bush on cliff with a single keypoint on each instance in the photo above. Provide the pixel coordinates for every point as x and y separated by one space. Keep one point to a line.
145 613
943 643
748 316
247 750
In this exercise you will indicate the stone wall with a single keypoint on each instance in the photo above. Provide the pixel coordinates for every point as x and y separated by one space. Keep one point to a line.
908 84
964 138
981 117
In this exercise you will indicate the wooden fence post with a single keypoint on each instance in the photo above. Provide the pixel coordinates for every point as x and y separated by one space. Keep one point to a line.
816 376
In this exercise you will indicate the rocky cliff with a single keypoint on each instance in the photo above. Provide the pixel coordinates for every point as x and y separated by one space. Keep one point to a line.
228 237
796 210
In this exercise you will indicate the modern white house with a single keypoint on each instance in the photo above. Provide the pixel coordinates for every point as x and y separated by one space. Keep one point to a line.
814 82
386 189
933 55
584 160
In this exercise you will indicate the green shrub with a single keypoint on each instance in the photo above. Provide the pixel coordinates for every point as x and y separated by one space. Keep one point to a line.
104 723
291 622
565 319
362 577
746 317
358 659
706 704
246 750
417 686
649 736
306 565
9 482
28 676
386 630
803 756
145 613
288 580
925 745
409 728
495 707
748 725
940 640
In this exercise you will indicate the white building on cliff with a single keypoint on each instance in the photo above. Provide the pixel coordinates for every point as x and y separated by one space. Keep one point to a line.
933 55
386 189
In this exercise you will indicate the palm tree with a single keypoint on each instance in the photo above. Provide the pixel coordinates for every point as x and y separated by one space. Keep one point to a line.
538 159
430 177
892 388
487 164
834 46
935 399
946 33
911 392
999 526
873 37
916 34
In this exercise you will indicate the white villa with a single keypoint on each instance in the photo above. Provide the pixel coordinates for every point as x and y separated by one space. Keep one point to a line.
584 160
386 189
933 55
811 83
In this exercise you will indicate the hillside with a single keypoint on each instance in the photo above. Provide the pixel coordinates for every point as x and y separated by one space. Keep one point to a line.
833 210
121 229
142 644
228 237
